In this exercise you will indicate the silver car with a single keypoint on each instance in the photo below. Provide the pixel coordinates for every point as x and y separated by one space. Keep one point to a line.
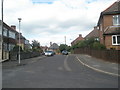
49 53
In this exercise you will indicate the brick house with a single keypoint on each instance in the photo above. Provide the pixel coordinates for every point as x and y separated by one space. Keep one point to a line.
44 48
80 38
53 47
22 40
109 26
93 34
9 40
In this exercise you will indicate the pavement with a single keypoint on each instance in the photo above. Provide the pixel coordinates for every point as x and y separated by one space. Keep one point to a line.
99 65
13 63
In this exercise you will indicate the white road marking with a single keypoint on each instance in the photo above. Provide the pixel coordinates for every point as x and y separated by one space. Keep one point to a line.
66 65
96 68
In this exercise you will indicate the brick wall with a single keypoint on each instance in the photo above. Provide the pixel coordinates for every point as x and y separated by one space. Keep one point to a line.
108 21
23 55
108 42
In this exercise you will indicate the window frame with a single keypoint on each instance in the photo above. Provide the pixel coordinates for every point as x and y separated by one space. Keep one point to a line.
116 20
5 32
12 34
116 40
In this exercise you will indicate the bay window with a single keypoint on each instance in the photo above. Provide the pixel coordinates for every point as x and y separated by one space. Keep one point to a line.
116 40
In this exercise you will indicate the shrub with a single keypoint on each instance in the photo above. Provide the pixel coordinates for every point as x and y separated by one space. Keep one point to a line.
16 48
82 44
97 45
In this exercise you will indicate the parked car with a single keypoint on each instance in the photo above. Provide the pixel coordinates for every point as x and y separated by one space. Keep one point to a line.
64 52
49 53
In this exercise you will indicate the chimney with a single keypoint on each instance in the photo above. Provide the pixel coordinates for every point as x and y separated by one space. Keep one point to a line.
50 43
118 1
80 35
13 27
96 28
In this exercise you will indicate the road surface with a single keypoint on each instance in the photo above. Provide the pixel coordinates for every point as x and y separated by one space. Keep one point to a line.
59 71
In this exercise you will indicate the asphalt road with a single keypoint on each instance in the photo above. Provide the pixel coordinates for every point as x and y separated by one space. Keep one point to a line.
59 71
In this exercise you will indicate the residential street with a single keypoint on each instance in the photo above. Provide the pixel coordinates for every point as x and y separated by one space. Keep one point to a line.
58 71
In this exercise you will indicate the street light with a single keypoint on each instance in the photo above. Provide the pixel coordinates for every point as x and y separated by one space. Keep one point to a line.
2 29
65 40
19 38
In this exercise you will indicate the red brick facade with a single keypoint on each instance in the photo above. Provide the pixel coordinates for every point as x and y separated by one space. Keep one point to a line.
106 25
80 38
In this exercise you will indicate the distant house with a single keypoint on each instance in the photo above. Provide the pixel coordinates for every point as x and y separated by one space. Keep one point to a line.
53 47
22 40
27 45
80 38
93 34
109 26
44 48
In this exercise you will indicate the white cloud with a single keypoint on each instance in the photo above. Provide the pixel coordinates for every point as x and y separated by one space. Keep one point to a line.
51 22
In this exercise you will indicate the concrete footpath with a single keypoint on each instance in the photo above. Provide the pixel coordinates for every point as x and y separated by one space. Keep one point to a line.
13 63
99 65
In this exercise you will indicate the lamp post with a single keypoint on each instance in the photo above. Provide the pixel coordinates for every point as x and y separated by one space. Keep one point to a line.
19 40
65 40
2 30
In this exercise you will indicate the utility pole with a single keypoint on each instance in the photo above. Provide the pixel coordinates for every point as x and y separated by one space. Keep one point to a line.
19 40
65 40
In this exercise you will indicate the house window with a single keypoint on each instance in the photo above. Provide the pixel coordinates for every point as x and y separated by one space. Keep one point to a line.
5 47
116 40
11 46
5 30
116 20
11 34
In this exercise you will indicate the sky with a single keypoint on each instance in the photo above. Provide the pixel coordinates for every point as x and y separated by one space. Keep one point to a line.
52 20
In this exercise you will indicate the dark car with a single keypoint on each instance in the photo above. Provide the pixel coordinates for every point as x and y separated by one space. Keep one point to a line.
65 52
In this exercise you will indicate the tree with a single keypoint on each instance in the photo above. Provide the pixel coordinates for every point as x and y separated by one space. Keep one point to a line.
36 46
68 48
16 48
62 47
89 43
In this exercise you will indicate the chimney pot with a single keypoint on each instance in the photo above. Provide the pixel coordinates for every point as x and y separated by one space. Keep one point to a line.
80 35
13 27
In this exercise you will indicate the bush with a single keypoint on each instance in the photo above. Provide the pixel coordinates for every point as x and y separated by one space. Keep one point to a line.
16 48
97 45
82 44
89 43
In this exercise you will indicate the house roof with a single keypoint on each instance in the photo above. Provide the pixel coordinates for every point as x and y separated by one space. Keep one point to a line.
93 33
80 38
112 30
113 9
8 27
54 46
